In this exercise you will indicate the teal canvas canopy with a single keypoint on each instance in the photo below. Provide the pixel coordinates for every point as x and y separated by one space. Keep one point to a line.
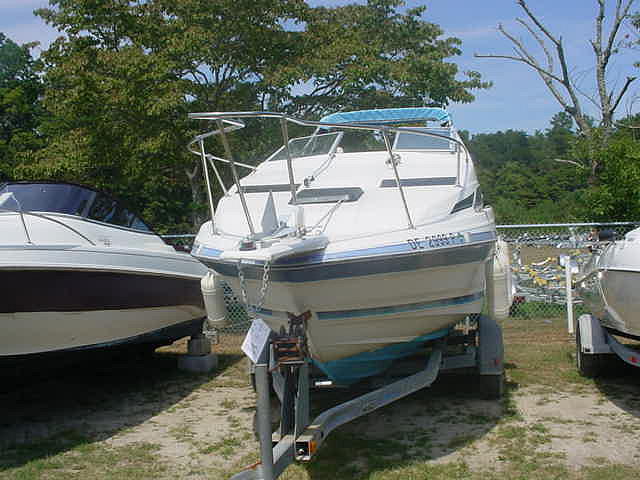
389 116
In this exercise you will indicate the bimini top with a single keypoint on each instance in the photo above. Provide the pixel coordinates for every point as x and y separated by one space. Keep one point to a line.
389 116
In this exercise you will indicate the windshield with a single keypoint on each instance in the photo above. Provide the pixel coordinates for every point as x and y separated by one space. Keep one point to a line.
321 144
413 141
71 200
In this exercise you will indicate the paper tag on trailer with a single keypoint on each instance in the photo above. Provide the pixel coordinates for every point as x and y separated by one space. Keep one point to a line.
256 339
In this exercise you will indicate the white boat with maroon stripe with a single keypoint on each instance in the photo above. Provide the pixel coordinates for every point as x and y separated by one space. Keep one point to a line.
374 224
80 271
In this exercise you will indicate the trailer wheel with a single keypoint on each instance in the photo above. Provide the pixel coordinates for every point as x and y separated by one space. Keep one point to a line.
589 365
491 386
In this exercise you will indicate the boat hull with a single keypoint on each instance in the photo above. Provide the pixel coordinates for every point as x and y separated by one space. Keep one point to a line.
357 308
613 296
57 310
611 287
36 333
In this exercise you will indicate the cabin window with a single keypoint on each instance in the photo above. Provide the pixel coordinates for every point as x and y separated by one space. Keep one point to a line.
478 201
75 200
414 141
463 204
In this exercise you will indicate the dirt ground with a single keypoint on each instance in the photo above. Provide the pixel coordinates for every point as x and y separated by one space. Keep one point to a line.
202 424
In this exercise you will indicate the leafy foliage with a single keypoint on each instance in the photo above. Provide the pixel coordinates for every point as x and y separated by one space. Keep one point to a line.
120 83
522 178
20 109
617 194
350 63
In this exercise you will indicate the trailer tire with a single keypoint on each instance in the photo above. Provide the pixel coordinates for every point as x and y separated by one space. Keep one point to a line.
491 386
590 365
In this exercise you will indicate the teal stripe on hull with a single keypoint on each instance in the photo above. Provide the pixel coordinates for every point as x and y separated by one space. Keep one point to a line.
347 371
395 309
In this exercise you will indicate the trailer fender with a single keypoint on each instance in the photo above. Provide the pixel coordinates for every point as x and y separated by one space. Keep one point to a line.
592 335
490 347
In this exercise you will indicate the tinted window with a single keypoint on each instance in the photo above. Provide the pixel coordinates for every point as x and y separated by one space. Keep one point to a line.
413 141
307 146
51 197
72 200
463 204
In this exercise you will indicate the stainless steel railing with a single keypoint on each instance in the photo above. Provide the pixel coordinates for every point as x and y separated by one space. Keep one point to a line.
230 121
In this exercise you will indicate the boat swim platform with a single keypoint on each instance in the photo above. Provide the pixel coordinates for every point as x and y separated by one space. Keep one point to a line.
283 367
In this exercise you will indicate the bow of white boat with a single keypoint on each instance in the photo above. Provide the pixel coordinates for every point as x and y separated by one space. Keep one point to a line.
286 247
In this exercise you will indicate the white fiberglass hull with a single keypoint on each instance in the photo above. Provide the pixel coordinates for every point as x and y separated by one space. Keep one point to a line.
365 305
46 332
64 298
611 285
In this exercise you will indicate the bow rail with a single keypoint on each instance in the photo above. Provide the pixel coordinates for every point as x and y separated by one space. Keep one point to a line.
228 122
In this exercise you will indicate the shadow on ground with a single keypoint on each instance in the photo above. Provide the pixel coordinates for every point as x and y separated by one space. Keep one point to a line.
56 408
620 383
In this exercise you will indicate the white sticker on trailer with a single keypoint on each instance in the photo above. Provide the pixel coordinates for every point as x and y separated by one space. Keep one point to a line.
256 339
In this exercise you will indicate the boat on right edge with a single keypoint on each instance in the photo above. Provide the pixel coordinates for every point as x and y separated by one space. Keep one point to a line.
609 284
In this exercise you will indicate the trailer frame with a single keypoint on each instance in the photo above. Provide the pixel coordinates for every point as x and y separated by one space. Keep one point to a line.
298 438
594 344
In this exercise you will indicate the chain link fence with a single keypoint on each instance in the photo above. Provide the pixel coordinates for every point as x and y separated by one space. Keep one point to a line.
536 252
539 278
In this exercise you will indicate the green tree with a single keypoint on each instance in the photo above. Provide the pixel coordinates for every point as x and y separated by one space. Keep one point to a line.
522 178
617 194
374 55
20 109
121 83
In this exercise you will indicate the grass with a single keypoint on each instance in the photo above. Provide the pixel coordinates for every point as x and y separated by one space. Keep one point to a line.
432 434
70 455
540 354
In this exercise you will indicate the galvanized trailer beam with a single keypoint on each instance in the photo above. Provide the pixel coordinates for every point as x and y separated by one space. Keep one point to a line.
277 452
629 355
308 443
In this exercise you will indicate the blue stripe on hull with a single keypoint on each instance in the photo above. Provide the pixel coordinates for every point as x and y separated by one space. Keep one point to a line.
349 370
313 272
204 253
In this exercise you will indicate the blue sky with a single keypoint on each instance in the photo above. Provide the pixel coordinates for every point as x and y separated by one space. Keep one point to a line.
518 99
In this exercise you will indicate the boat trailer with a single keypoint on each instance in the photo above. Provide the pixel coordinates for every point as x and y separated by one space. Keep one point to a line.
594 344
283 358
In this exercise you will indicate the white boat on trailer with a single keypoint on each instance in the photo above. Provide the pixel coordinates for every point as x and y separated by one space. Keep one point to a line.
373 228
358 245
610 287
82 272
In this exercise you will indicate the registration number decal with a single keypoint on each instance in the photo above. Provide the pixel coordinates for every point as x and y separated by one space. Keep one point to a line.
435 241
